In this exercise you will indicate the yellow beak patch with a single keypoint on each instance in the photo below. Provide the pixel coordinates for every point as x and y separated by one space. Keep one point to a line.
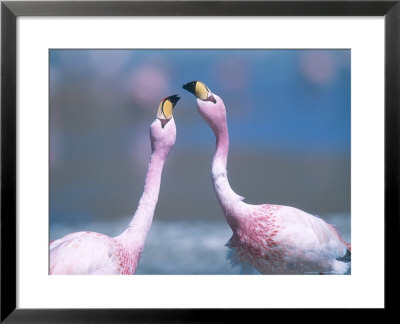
201 91
165 110
166 107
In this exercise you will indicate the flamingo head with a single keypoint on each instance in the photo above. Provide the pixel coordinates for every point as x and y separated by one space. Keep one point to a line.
163 129
210 106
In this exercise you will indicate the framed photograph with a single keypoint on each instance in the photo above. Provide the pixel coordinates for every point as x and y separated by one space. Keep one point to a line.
113 117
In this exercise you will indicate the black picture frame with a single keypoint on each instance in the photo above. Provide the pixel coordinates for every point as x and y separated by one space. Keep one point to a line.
10 10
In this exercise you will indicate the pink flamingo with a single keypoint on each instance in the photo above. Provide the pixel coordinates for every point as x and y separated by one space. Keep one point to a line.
273 239
95 253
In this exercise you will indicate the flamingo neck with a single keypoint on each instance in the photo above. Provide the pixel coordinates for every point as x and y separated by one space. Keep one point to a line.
135 234
228 199
221 152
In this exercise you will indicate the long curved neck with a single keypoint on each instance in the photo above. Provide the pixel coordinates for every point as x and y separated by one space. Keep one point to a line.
226 196
147 203
221 152
135 234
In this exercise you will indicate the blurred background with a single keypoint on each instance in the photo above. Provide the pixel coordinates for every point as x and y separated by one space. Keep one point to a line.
289 123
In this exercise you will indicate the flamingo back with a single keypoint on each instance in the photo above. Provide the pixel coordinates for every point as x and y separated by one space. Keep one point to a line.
286 240
83 253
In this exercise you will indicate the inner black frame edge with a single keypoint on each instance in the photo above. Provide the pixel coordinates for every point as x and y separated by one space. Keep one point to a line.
11 10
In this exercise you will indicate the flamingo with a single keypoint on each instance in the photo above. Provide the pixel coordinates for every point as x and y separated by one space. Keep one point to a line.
273 239
95 253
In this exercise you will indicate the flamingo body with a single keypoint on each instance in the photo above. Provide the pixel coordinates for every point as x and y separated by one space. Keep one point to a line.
90 253
273 239
286 240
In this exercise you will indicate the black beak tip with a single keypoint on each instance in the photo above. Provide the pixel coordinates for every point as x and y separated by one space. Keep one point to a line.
190 86
174 99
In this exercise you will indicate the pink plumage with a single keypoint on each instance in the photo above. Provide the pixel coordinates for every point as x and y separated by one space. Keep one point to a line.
271 238
94 253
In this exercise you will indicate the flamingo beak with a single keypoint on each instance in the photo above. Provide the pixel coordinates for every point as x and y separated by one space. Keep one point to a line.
190 86
174 99
200 90
165 109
